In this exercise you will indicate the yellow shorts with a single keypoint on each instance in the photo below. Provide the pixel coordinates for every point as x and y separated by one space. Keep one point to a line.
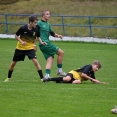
76 75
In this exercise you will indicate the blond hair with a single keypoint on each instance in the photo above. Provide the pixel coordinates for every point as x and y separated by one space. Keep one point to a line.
43 12
96 62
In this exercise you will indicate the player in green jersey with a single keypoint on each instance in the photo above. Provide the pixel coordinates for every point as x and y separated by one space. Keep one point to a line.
50 49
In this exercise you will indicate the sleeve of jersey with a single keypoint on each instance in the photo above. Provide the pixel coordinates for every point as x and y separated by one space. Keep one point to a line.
19 32
52 32
93 75
87 69
38 31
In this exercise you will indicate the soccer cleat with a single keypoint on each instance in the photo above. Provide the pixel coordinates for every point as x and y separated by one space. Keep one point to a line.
46 79
61 73
7 80
114 111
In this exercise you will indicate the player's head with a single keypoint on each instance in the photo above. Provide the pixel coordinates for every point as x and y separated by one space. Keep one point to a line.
96 65
46 15
33 20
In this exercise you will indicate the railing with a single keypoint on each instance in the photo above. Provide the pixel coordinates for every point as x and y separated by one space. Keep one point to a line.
89 24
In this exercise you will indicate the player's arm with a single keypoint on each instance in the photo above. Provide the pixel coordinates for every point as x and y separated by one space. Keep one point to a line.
38 36
59 36
18 38
39 39
18 33
55 34
35 48
85 73
92 79
98 82
86 76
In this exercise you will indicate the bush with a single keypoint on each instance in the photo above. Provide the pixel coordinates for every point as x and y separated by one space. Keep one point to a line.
8 1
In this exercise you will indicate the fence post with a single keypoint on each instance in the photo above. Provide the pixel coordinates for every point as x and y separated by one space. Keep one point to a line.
6 18
64 33
90 26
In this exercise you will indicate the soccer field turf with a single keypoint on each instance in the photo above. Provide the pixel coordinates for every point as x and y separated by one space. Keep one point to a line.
27 96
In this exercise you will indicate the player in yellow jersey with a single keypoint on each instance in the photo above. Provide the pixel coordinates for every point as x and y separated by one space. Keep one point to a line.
79 75
26 46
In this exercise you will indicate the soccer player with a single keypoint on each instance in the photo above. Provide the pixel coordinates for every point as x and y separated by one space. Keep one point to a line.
50 49
26 46
114 111
78 75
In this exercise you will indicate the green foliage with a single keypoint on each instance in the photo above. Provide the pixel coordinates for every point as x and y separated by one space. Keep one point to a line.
8 1
27 96
71 7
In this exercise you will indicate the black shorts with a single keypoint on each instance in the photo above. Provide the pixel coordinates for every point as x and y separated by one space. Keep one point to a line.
19 55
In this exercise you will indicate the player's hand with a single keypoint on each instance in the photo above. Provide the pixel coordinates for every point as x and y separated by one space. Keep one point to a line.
44 43
24 42
98 82
60 36
35 48
95 80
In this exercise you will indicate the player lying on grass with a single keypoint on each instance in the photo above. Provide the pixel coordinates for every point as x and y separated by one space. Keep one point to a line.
76 76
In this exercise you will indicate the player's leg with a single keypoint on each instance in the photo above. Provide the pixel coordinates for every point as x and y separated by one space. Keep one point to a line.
48 66
68 78
48 52
55 79
18 56
32 55
11 68
60 54
39 70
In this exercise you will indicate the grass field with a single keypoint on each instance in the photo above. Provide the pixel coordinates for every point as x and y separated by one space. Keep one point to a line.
27 96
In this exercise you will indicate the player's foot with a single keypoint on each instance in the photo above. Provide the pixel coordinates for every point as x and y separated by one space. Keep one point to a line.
41 80
114 110
7 80
46 79
61 73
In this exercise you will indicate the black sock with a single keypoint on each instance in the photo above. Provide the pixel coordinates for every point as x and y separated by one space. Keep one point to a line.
10 73
58 79
40 73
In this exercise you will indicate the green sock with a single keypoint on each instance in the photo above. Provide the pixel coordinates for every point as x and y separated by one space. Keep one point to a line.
59 65
47 71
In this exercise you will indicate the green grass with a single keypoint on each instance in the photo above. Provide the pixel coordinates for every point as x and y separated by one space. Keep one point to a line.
27 96
71 7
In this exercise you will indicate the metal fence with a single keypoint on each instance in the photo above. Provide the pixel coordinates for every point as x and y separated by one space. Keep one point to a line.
5 21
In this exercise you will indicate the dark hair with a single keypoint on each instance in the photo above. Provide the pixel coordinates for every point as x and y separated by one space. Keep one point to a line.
96 62
43 12
32 18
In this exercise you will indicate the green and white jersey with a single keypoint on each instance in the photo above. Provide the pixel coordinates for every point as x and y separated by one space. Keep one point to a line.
45 30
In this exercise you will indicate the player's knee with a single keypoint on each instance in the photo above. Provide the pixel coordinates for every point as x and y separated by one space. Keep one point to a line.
66 79
13 64
35 61
62 53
